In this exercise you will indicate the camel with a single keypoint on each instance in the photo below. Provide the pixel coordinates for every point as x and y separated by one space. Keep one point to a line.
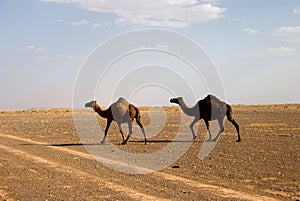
210 108
121 112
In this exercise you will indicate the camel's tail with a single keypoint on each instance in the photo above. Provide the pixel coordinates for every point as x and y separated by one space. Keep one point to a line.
229 113
230 118
137 114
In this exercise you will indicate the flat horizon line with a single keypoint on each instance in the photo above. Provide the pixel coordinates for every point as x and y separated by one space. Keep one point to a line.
142 106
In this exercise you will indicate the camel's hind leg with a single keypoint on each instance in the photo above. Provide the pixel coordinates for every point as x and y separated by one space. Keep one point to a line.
130 132
135 114
192 127
221 125
139 122
230 118
237 129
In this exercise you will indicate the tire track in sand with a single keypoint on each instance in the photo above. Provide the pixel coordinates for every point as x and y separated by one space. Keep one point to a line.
81 174
217 190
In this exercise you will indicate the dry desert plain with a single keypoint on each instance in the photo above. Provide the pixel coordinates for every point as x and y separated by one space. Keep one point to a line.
43 158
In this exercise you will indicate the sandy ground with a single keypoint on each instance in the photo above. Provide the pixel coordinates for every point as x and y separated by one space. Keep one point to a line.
42 158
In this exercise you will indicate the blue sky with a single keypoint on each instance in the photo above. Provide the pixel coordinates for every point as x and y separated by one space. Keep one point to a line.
254 44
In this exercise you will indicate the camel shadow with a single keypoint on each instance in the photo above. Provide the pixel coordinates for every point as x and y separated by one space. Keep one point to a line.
102 144
72 144
163 141
62 144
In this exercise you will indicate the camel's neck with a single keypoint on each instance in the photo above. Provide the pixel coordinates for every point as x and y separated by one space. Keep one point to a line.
190 111
101 112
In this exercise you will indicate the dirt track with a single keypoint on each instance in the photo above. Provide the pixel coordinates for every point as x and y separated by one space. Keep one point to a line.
42 158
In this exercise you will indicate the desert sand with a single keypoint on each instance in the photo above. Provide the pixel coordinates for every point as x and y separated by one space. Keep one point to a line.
43 158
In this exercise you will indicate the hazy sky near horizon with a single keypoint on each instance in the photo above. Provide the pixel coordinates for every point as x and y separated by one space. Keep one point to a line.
254 44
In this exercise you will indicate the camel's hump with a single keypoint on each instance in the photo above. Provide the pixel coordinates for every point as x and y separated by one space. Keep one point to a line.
121 103
122 100
120 109
212 98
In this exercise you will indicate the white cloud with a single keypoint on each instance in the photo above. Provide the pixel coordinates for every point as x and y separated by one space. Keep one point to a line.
41 49
280 51
33 48
41 58
251 31
223 61
276 51
65 56
53 57
288 34
165 13
84 22
80 22
154 46
239 19
59 20
101 24
96 25
297 10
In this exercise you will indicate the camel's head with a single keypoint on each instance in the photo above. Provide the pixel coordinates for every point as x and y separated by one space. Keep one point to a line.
91 104
175 100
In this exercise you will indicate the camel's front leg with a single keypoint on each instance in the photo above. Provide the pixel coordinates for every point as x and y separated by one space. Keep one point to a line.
106 130
207 127
192 127
130 132
221 125
120 128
